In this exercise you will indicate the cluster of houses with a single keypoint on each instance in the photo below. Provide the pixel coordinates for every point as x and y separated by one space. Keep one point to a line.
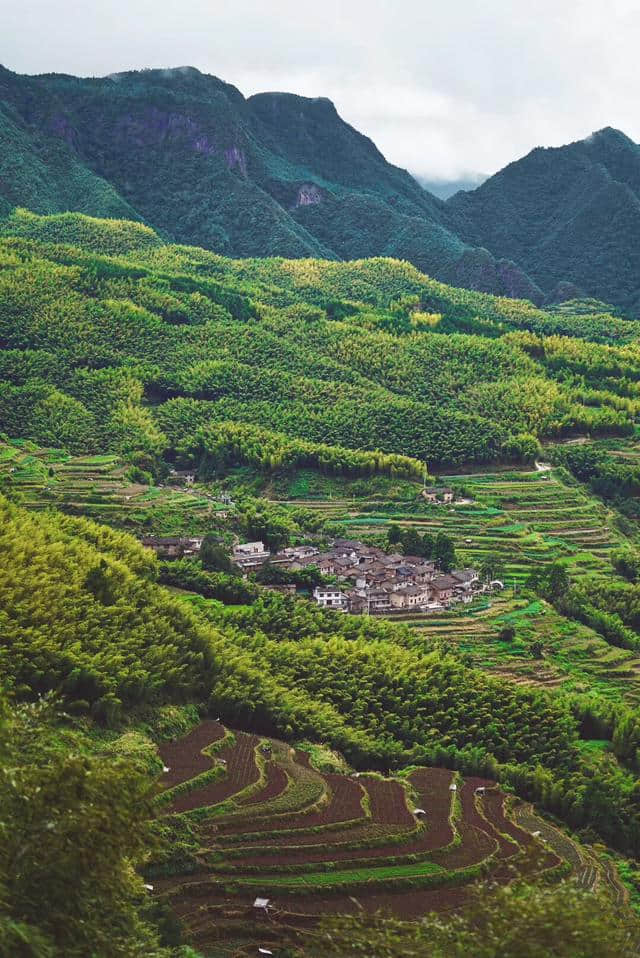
369 580
373 582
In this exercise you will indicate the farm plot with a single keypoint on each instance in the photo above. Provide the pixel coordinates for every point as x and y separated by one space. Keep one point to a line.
241 772
527 520
344 807
408 844
99 488
187 758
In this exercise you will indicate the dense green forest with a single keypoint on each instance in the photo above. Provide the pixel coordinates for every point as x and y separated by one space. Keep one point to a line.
137 351
569 216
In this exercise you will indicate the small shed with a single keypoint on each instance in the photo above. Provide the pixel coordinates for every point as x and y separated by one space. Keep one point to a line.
262 904
264 951
480 790
419 812
453 787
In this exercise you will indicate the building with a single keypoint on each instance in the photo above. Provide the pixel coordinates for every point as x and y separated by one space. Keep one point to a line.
330 597
285 589
468 578
378 600
181 477
250 555
443 587
438 494
173 547
410 597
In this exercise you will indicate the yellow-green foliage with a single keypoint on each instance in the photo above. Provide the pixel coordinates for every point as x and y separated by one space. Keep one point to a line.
364 355
108 236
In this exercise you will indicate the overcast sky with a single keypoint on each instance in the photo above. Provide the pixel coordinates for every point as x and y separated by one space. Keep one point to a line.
443 88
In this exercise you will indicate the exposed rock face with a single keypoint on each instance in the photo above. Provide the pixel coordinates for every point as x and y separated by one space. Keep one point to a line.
308 195
236 159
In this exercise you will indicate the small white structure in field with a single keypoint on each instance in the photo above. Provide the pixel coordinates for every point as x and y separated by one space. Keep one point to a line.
419 812
165 769
537 834
453 787
149 887
480 790
264 951
262 904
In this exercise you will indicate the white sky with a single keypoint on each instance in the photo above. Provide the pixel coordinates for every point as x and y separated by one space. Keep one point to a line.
443 88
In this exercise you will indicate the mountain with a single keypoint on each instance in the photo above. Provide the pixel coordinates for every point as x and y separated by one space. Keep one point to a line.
567 215
271 175
443 189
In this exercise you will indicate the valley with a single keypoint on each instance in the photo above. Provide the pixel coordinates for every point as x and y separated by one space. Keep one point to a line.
182 436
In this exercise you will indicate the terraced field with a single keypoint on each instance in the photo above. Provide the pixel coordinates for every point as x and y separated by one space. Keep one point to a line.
269 825
98 487
528 519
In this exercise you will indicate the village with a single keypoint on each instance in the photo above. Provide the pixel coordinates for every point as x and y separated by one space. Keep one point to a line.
358 577
368 580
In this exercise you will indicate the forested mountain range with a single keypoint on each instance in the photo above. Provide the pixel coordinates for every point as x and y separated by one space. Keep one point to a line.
568 215
284 175
275 174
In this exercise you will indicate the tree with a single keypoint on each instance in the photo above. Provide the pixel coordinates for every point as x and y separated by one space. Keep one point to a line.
214 556
523 447
444 552
507 633
73 825
626 562
516 921
411 541
537 649
558 580
101 583
492 567
394 534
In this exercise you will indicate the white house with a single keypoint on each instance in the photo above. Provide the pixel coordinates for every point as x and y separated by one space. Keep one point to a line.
330 597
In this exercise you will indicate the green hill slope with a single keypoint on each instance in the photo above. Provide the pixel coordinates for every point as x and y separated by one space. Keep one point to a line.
135 353
571 213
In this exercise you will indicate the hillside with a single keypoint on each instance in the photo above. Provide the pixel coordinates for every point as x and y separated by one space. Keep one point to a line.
275 174
135 353
306 400
568 214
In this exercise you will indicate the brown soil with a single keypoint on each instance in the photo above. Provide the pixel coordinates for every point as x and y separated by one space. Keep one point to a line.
242 770
276 784
184 757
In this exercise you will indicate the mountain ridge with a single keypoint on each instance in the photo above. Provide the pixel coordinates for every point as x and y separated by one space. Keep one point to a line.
272 174
568 213
279 174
